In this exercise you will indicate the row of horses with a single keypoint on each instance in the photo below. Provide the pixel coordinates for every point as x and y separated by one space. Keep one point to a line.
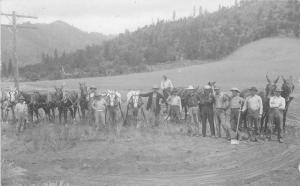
79 102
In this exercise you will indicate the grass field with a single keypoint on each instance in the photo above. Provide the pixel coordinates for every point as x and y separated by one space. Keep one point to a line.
166 155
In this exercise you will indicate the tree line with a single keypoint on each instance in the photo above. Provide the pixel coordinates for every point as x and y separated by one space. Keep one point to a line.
207 36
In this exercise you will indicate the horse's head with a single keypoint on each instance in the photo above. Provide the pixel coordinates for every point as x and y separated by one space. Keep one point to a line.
212 84
287 87
58 94
271 86
12 94
113 98
83 90
134 99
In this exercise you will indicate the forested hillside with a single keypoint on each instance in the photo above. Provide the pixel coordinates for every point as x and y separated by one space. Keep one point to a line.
208 36
45 38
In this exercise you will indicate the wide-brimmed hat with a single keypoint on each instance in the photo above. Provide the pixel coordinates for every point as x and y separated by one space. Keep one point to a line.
207 87
216 88
277 90
174 92
155 87
190 87
93 87
253 89
21 98
235 89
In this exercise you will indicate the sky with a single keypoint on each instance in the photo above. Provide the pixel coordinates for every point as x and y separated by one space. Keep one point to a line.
107 16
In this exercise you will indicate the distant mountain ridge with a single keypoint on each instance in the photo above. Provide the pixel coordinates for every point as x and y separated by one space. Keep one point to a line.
45 39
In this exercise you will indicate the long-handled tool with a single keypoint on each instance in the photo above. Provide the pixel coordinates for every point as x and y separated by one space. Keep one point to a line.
236 141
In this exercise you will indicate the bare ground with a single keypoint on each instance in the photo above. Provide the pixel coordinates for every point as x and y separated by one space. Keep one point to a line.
151 156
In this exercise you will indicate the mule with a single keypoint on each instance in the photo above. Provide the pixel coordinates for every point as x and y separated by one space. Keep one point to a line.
9 99
287 89
84 102
134 105
67 101
113 99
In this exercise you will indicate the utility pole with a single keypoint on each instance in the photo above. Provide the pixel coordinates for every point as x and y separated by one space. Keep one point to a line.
14 28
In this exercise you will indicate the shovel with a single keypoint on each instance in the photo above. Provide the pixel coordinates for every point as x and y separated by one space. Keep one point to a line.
236 141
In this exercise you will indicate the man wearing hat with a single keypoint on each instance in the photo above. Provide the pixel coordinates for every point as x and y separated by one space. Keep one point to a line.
92 91
193 99
175 106
236 104
277 106
221 107
21 112
99 106
207 112
254 107
153 103
166 85
91 97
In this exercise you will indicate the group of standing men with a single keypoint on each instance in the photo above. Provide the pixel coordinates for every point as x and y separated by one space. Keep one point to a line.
222 111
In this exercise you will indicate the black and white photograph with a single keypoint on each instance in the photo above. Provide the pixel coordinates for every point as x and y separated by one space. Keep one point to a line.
150 92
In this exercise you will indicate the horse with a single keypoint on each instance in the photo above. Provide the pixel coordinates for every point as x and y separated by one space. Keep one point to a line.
287 89
134 104
271 86
51 105
9 100
113 99
4 106
38 101
84 101
66 101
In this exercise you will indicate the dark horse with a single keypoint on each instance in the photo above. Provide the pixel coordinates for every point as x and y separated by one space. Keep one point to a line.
84 102
287 89
66 101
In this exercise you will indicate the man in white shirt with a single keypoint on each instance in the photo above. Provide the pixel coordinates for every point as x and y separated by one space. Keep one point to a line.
175 106
21 111
166 85
254 107
277 106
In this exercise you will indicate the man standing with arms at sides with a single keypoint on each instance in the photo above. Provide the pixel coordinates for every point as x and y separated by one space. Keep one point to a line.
193 99
254 107
21 114
99 106
221 107
175 106
277 105
153 105
92 93
207 112
236 104
167 86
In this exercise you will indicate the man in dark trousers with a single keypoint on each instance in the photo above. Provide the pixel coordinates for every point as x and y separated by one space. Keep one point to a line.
207 113
153 104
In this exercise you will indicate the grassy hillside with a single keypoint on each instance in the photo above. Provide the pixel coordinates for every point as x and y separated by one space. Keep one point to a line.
207 36
245 67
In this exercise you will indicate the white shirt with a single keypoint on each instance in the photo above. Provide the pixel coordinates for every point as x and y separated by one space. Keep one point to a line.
21 110
166 84
253 103
277 102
